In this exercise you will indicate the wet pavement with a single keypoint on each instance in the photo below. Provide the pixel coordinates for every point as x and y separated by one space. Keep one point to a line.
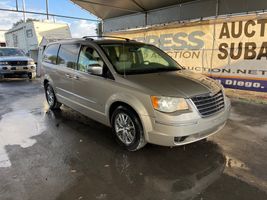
64 155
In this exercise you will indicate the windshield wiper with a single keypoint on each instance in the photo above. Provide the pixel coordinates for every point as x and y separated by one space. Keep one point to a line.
153 70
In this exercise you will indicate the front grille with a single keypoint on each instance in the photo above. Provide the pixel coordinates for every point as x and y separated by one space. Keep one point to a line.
209 104
17 63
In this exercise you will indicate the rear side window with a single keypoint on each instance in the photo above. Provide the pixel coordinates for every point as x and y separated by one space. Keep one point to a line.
68 55
50 54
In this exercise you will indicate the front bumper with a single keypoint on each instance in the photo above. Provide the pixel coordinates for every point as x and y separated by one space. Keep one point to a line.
18 70
186 131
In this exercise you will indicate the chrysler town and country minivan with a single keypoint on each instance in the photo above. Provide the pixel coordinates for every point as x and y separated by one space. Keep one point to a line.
135 88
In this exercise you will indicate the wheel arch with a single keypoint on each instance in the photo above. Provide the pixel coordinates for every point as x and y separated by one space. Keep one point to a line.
116 104
132 103
46 80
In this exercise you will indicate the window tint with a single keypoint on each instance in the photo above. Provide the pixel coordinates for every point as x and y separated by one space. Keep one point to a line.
50 54
89 57
68 55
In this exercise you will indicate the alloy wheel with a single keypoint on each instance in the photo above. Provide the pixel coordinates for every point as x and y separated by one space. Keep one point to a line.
124 128
50 95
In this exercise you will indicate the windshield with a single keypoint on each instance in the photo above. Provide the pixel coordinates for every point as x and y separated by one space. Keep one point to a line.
131 58
11 52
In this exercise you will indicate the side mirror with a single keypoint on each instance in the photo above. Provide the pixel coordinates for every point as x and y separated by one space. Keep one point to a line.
95 69
28 54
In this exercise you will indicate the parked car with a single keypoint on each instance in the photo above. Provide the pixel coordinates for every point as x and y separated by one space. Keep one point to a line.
136 88
14 62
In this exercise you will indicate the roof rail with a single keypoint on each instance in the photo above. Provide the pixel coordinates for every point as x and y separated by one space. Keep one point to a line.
116 37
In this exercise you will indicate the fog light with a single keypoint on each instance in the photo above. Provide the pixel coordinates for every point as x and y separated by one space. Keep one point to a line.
3 63
180 139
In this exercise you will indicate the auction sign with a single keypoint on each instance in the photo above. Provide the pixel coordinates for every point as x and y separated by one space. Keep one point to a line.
232 50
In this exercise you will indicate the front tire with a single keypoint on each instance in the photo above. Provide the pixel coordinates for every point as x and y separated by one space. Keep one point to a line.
127 128
51 98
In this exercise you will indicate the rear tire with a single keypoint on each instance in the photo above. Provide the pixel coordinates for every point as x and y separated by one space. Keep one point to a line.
127 128
51 97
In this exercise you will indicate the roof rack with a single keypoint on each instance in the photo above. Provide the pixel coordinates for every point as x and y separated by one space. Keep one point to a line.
116 37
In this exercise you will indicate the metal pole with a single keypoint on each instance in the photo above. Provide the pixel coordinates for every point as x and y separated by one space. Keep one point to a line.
145 18
214 35
47 14
217 8
23 8
102 28
17 6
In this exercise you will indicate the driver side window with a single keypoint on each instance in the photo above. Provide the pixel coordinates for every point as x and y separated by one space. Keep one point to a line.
88 58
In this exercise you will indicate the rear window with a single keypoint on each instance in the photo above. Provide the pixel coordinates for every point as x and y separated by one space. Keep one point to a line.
68 55
50 54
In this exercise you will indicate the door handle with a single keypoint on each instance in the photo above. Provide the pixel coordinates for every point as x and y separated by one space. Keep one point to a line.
68 76
76 77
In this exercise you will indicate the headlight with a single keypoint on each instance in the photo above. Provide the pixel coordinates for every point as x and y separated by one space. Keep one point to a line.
169 104
3 63
31 62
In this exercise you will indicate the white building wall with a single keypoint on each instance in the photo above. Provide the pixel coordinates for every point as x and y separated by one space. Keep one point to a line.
28 36
51 30
16 38
2 36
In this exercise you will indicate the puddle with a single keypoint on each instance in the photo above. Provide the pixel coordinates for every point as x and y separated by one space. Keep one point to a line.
18 128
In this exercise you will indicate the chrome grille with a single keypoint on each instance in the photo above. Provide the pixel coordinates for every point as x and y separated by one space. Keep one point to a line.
17 63
209 104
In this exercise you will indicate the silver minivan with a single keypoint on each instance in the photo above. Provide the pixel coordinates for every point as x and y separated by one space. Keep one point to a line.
135 88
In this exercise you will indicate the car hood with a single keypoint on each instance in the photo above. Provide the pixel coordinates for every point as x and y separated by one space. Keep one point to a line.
181 83
15 58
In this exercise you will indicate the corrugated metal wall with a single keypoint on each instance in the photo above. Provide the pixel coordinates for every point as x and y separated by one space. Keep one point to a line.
186 11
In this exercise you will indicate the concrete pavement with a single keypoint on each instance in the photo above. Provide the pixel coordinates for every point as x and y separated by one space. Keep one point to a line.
64 155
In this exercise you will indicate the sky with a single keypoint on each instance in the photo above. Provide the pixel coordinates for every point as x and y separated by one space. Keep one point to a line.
78 28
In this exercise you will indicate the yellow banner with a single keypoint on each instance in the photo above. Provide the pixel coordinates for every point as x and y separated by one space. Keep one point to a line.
232 50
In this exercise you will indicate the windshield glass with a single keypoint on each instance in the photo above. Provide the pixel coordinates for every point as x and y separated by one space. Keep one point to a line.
11 52
131 58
